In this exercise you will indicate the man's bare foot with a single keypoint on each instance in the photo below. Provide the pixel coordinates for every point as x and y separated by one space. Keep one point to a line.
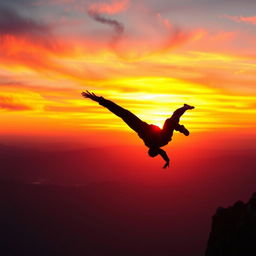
188 106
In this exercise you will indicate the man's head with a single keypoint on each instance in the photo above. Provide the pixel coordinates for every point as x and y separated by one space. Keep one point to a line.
153 152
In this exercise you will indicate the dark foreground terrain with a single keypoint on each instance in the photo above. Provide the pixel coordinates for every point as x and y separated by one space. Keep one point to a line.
233 230
109 201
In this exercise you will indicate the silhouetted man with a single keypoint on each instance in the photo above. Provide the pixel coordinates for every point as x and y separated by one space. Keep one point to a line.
153 137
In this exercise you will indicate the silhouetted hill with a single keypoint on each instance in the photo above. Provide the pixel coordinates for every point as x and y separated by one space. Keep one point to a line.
233 231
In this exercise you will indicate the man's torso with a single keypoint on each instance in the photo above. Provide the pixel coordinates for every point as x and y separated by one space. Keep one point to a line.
153 136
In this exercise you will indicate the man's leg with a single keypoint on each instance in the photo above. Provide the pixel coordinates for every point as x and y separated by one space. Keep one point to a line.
172 123
179 112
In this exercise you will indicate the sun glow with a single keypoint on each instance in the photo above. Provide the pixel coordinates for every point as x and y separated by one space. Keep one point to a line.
152 69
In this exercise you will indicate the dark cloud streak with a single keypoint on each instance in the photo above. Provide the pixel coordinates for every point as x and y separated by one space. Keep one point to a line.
116 25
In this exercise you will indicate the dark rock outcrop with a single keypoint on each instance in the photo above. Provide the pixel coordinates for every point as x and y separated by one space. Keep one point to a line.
233 231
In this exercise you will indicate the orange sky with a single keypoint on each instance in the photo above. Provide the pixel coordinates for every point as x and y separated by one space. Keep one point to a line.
147 62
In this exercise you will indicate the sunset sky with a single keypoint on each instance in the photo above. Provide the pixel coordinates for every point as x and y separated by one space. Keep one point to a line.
151 57
148 56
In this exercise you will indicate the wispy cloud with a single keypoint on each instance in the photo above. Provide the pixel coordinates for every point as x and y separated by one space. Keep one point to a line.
111 8
97 10
243 19
12 104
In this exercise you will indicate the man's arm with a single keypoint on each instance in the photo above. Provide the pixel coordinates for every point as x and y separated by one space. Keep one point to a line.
128 117
163 154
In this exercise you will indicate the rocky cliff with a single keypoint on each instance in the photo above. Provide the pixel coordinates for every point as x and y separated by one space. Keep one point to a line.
233 231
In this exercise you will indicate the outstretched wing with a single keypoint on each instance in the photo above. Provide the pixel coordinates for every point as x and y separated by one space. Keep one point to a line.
128 117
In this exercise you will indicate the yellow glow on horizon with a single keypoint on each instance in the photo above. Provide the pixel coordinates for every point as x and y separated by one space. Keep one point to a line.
151 86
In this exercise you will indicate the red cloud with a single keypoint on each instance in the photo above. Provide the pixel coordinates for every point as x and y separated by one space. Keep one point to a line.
111 8
251 19
8 103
